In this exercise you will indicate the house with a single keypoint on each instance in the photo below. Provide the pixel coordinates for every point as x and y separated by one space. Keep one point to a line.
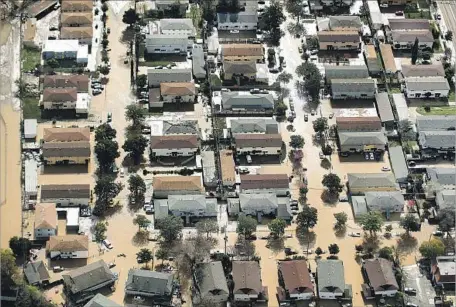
345 23
265 183
198 62
39 9
331 280
295 279
65 99
360 183
258 204
66 146
431 70
442 177
242 21
83 34
358 124
443 271
385 110
373 62
258 144
209 283
353 141
177 26
247 282
247 100
176 185
167 44
406 24
178 127
36 273
81 284
243 52
157 76
227 165
64 195
428 87
252 125
385 201
436 133
100 300
165 5
406 39
69 246
178 92
80 82
156 285
339 40
362 88
76 6
389 62
76 19
30 127
174 145
445 199
380 274
189 206
345 72
241 69
398 164
400 104
45 224
397 2
210 173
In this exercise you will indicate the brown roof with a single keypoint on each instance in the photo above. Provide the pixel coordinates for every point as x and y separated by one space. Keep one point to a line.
424 36
29 31
66 134
239 67
296 276
408 24
77 6
265 181
174 141
258 140
380 274
365 123
40 6
66 149
388 57
338 36
76 32
52 191
45 216
176 183
76 18
371 52
242 50
178 89
432 70
81 82
69 243
60 94
246 277
227 165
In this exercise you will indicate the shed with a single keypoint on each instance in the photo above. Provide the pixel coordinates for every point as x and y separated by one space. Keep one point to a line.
359 205
385 111
398 164
209 168
30 126
401 106
31 179
198 63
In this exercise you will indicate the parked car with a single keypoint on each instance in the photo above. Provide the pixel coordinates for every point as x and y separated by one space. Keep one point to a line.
385 5
149 209
234 31
289 251
86 212
343 198
264 237
107 244
411 305
331 115
410 290
344 154
437 233
355 234
371 156
306 117
399 13
300 49
244 170
249 159
385 169
96 92
312 112
122 173
322 156
308 252
274 71
57 269
109 117
111 265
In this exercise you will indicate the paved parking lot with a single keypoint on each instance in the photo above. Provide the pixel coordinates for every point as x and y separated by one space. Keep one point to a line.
424 291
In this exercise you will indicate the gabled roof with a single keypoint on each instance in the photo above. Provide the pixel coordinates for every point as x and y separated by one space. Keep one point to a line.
296 276
442 175
437 138
258 140
241 17
81 82
176 24
247 100
331 276
100 300
345 71
432 70
242 50
384 199
184 73
338 36
177 88
68 243
353 85
380 274
66 149
192 203
174 141
246 277
176 183
209 277
156 39
424 36
51 191
150 282
388 58
254 125
227 166
239 67
77 5
180 127
384 107
60 94
446 198
45 216
436 122
36 272
358 138
362 123
408 24
426 83
66 134
76 32
86 277
265 181
81 18
369 180
258 202
345 22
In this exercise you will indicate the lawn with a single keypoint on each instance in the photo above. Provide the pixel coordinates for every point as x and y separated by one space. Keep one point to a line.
419 15
215 80
195 15
30 58
395 90
450 110
30 108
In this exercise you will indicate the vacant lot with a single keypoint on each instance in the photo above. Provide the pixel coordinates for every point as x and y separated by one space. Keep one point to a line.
30 58
30 108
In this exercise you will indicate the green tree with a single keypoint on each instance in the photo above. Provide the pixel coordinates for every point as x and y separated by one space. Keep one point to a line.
53 63
296 141
106 190
136 114
307 218
234 6
432 248
320 125
141 221
105 132
135 145
20 246
9 272
145 255
449 35
333 249
371 221
313 43
246 225
410 223
104 43
271 19
280 108
311 83
332 183
446 218
106 151
162 253
137 189
170 228
141 81
277 227
405 129
359 249
327 149
31 296
284 77
341 219
386 253
100 231
130 17
295 8
103 69
415 51
296 29
389 228
207 226
104 7
25 89
318 251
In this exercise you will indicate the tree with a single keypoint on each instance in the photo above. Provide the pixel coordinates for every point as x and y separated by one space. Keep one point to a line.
295 8
313 43
105 189
141 81
271 19
341 219
53 63
410 223
137 189
246 225
296 141
106 151
100 231
142 221
405 128
277 227
20 246
446 218
105 43
332 183
284 77
432 248
386 253
170 228
103 69
144 255
296 29
327 150
280 108
311 83
415 51
9 272
389 228
105 131
449 35
193 250
333 249
320 125
162 254
104 7
359 249
371 221
318 251
25 89
207 226
234 6
136 114
307 218
135 145
130 17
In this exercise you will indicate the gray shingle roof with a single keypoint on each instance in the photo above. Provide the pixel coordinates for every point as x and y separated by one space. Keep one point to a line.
368 180
442 175
254 125
398 163
246 100
424 36
180 127
210 277
331 276
100 300
437 139
66 149
241 17
50 191
359 205
36 272
239 67
176 24
384 107
446 199
192 203
346 71
436 122
362 138
89 276
345 22
198 62
264 181
246 277
149 282
426 83
258 201
432 70
353 85
408 24
379 200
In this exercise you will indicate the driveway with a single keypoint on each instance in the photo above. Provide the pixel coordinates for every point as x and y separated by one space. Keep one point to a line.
424 291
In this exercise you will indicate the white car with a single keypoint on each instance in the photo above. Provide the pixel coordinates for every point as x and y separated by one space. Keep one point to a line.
371 156
385 5
107 244
308 252
386 169
234 31
355 234
122 173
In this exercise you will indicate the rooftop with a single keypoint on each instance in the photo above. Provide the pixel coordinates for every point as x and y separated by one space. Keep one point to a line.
296 276
442 175
36 272
338 36
66 134
210 276
81 82
353 85
239 67
388 57
174 141
241 17
380 274
408 24
426 83
178 89
362 123
436 122
60 94
369 180
247 277
68 243
331 277
424 36
86 277
76 32
55 191
176 24
228 167
384 107
239 50
432 70
45 216
152 282
176 183
264 181
258 140
66 149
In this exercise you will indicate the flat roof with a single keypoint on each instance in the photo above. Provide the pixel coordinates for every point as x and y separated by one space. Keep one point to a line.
31 176
385 111
401 106
30 126
398 163
60 45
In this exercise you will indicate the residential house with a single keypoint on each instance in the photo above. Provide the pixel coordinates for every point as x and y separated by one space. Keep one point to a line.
436 133
45 224
83 34
372 61
100 300
209 283
157 76
210 173
362 88
331 280
227 165
167 44
155 285
426 87
360 183
39 9
352 141
177 185
243 52
443 271
445 199
408 24
358 124
380 274
400 103
242 21
385 201
65 99
431 70
246 100
339 40
165 5
239 69
64 195
83 283
68 247
177 26
397 2
247 282
252 125
389 62
258 204
178 92
36 273
177 127
174 145
343 23
190 206
295 279
345 72
29 33
30 127
80 82
406 39
76 19
198 62
385 110
76 6
442 177
66 146
265 183
398 164
258 144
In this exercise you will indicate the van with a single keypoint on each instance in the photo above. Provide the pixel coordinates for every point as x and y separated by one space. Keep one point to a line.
249 159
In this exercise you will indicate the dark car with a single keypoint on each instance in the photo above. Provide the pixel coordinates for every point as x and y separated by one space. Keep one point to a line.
289 251
86 212
251 237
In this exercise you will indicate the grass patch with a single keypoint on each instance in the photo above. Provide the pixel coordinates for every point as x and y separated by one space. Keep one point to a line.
30 58
30 108
395 90
419 15
452 96
196 15
215 80
423 4
450 110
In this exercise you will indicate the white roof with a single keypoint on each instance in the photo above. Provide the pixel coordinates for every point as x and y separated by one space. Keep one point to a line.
72 217
83 101
83 53
30 126
58 45
31 176
401 106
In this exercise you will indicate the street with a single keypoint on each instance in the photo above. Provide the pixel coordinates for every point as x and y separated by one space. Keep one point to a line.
424 291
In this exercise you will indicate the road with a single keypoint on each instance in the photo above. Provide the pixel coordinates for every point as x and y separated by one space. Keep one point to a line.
448 11
425 292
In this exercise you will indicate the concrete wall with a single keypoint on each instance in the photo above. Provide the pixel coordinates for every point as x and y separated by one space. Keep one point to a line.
172 98
72 255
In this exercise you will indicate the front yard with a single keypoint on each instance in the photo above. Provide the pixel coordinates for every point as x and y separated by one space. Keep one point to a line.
449 110
30 108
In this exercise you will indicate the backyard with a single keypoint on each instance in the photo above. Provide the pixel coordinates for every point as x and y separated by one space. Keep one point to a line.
30 108
448 110
30 58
